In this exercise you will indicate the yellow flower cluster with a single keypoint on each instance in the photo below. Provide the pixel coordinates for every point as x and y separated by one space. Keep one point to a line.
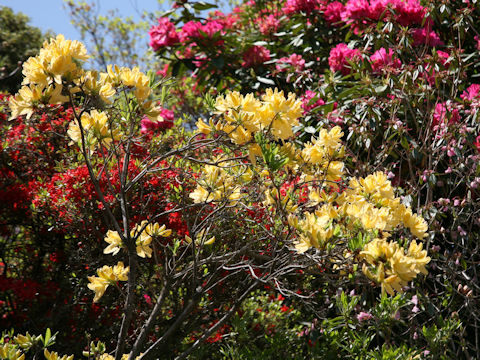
107 275
10 351
96 129
372 202
54 356
243 116
322 155
315 229
58 59
143 235
200 239
56 73
216 184
390 266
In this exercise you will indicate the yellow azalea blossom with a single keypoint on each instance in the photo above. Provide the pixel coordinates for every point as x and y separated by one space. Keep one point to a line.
144 234
58 58
96 128
10 352
54 356
114 241
97 85
215 185
272 198
389 265
107 275
32 96
204 128
200 239
315 230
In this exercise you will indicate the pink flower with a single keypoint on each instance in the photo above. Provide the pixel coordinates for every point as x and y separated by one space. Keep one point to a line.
356 10
409 12
333 12
477 39
307 103
196 30
164 70
254 56
163 34
363 316
268 25
442 110
424 36
306 6
295 61
339 57
477 143
471 93
382 60
443 56
378 9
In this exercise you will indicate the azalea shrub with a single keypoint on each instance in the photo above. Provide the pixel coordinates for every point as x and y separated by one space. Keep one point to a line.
161 235
399 79
300 178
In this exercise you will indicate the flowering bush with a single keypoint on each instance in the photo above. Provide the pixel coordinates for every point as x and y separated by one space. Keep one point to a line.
244 207
401 85
341 175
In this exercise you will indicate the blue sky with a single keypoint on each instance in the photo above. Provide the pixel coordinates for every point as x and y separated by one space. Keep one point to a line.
50 14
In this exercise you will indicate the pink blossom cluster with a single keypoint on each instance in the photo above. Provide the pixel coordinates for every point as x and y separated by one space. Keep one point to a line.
164 34
384 60
359 13
268 24
308 101
297 62
340 56
425 36
196 30
254 56
443 113
148 126
333 12
472 93
305 6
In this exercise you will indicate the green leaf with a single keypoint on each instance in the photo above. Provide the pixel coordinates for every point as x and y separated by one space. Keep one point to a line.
203 6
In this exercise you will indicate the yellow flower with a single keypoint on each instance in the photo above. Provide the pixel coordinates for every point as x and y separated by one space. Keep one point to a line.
57 59
96 129
31 97
417 225
54 356
200 239
215 185
10 352
107 276
390 266
114 241
97 86
315 230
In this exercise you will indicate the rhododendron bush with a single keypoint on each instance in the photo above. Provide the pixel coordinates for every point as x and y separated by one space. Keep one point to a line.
306 186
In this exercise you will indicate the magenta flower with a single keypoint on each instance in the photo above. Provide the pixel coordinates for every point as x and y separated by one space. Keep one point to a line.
306 6
424 36
268 25
147 125
163 34
471 93
383 60
339 57
333 12
254 56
